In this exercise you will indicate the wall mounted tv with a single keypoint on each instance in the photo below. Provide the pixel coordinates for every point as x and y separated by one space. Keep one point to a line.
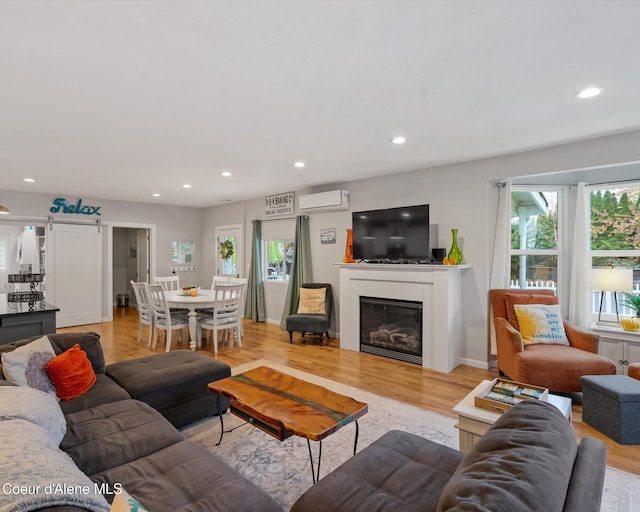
392 235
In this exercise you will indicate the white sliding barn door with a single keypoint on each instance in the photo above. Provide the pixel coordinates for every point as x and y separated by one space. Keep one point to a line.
74 273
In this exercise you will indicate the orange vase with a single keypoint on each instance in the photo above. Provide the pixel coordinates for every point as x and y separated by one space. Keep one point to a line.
348 253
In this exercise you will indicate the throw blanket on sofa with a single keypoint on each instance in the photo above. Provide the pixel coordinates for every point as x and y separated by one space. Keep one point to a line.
34 472
34 406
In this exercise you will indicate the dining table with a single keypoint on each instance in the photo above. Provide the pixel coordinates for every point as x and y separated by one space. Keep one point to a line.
181 299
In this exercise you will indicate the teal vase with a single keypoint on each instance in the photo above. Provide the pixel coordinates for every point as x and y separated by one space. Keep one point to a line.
455 254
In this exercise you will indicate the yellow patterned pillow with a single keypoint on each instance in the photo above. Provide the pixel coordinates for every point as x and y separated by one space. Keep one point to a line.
124 502
312 301
541 324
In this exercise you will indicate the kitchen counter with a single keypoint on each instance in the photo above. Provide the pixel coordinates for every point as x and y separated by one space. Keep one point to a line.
20 320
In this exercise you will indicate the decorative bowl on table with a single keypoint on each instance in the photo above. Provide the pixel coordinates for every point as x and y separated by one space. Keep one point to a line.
189 290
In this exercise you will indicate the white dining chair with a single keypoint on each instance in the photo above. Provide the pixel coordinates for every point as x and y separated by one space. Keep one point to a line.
244 282
162 316
217 279
142 305
168 283
225 315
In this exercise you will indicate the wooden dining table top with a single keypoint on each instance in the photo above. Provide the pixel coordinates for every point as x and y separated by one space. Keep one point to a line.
283 405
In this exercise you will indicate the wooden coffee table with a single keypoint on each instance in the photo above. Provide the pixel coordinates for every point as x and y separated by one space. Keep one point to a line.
283 406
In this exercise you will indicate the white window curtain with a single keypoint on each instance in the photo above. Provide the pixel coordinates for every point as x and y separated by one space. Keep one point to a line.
4 242
500 267
580 294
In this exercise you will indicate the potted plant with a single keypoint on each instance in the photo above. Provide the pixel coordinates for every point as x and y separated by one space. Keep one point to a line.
632 302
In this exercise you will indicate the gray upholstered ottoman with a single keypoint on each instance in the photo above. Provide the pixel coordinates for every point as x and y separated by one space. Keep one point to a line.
611 404
174 383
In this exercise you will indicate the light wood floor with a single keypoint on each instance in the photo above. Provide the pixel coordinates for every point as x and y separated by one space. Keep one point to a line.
405 382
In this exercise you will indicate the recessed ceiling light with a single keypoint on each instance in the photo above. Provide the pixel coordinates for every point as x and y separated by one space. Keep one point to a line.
186 185
299 165
226 173
29 180
589 92
399 140
155 195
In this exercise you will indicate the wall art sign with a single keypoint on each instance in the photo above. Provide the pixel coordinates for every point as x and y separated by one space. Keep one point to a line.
328 236
60 204
280 204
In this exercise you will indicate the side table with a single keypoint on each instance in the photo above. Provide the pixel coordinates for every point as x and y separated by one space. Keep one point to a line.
622 347
474 421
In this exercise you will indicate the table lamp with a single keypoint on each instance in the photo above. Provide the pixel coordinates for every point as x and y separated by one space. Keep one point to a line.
611 280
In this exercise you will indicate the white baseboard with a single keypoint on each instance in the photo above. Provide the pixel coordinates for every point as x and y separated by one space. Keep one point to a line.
476 364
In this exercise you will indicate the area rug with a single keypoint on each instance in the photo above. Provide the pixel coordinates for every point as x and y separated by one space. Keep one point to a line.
283 469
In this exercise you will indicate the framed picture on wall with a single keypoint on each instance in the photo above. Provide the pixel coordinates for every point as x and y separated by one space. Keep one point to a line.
328 236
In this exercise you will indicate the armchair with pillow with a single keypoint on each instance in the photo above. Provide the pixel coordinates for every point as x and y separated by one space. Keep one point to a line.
536 346
315 306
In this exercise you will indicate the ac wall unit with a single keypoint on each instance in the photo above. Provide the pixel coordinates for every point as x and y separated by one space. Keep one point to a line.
325 201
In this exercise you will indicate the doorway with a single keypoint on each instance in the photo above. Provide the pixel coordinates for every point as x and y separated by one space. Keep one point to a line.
229 250
130 262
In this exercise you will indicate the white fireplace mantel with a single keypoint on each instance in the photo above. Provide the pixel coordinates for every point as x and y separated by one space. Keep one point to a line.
438 287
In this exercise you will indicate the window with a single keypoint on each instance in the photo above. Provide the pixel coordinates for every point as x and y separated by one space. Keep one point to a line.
615 239
181 252
279 255
4 240
534 238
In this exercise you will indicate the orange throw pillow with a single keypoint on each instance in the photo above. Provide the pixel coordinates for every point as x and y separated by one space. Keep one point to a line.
71 373
525 298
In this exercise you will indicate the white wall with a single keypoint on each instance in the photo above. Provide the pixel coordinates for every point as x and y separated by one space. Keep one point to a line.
460 196
171 222
230 213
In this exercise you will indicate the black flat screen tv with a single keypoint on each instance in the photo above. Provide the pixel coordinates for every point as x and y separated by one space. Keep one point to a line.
394 235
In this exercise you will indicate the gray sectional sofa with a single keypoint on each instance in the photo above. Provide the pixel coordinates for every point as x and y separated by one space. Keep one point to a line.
528 460
118 442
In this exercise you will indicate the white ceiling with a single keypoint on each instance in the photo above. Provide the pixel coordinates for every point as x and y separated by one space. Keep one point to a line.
118 100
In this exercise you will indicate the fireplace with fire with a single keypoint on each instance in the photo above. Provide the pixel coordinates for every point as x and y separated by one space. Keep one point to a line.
391 328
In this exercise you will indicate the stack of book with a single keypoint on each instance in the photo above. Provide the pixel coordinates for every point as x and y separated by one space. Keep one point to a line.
503 394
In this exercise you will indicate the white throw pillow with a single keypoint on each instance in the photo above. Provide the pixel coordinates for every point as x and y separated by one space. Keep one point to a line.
540 323
26 365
